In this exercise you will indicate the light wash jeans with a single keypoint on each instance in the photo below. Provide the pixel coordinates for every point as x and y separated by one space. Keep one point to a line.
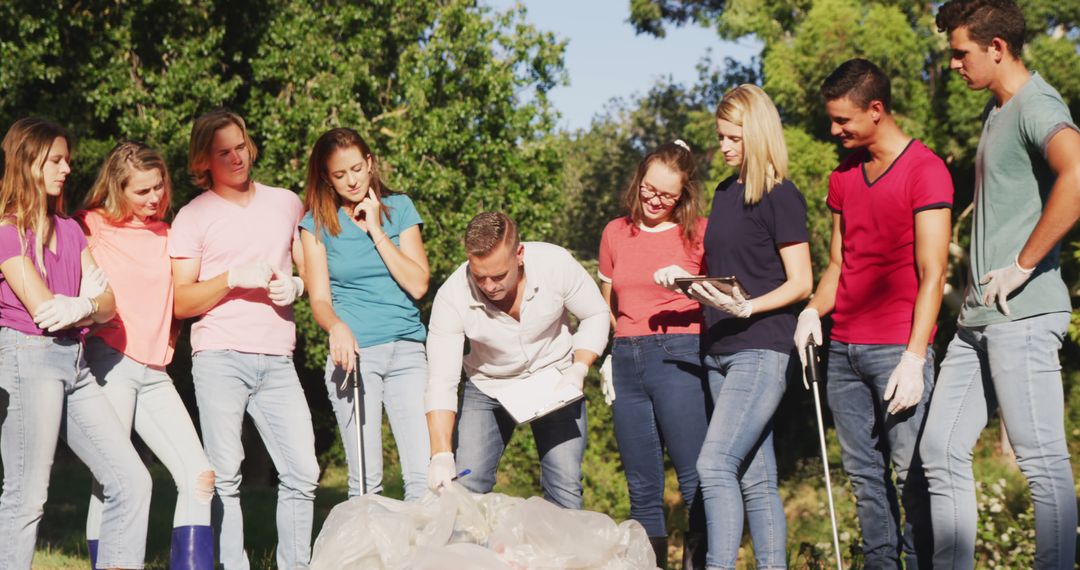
875 445
659 402
46 390
1013 367
227 384
737 466
393 374
484 428
144 395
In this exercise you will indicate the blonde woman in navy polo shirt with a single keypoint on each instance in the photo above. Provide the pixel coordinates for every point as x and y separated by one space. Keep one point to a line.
757 233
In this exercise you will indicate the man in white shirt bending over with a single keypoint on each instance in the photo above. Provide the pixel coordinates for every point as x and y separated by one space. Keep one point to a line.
512 300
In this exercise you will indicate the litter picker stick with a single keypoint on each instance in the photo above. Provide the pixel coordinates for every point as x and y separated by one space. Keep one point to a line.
811 372
358 420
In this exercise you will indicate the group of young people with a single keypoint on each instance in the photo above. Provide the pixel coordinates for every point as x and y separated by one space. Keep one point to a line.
90 304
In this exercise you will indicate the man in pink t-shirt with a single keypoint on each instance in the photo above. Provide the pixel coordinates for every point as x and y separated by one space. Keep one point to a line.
892 204
232 250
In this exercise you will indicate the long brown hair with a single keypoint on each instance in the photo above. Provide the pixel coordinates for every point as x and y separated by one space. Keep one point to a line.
23 200
320 197
107 193
685 213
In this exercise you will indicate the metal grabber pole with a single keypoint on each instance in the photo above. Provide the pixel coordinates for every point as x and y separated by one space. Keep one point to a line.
812 372
358 421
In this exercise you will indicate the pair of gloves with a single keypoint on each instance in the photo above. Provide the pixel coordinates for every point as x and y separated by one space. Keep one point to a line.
283 287
63 312
735 304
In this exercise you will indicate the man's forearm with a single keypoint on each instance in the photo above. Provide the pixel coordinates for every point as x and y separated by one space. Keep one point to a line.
824 299
441 430
1058 217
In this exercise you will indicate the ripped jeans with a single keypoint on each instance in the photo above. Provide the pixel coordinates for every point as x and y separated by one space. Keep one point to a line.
144 396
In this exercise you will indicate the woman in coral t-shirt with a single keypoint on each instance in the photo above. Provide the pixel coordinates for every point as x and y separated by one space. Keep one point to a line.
657 379
123 220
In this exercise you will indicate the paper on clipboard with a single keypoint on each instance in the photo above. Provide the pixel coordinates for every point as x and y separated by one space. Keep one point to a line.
532 397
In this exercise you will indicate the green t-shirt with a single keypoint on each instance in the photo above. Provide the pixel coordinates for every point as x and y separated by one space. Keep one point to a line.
363 292
1012 184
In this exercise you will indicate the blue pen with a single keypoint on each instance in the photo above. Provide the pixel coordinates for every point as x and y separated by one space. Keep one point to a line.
462 474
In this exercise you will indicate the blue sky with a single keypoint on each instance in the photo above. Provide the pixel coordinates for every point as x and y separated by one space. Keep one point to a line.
606 59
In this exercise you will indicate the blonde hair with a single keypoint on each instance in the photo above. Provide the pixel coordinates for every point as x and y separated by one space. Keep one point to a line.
107 193
202 138
23 199
765 157
685 213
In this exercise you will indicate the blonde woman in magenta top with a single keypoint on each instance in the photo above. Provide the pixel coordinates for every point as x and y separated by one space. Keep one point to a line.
128 237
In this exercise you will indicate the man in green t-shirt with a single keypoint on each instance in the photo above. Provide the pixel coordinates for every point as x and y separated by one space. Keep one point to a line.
1016 307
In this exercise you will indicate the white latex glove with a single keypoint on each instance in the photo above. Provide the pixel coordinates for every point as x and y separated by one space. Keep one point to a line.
93 283
441 471
807 327
665 276
905 386
62 311
1000 283
344 351
285 288
574 376
255 275
735 304
607 383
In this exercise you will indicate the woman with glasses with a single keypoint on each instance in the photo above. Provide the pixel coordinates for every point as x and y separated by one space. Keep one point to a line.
757 233
658 382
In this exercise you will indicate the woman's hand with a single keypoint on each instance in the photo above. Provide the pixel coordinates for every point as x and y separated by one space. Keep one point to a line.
344 351
735 304
368 214
666 276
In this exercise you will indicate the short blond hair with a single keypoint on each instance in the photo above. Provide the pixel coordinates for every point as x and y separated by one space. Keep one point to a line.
765 156
202 138
488 230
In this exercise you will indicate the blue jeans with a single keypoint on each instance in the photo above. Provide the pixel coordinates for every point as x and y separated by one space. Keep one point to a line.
484 428
659 389
869 440
394 374
737 464
46 390
144 397
227 384
1013 367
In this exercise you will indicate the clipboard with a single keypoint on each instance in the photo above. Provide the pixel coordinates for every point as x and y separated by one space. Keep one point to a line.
533 397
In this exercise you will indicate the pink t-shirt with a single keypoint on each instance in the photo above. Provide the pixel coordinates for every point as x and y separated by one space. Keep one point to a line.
135 258
223 235
628 258
875 301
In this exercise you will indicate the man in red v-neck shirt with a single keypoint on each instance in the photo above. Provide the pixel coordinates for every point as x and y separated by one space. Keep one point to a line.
892 203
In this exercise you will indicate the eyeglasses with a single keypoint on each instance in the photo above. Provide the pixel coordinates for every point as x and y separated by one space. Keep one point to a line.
665 199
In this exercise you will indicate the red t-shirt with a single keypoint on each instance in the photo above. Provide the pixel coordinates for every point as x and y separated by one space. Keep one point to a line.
628 258
875 302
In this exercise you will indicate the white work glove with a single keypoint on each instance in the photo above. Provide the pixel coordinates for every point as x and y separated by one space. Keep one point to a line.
285 288
62 311
1000 283
607 381
93 283
665 276
255 275
441 471
807 327
905 386
735 304
574 376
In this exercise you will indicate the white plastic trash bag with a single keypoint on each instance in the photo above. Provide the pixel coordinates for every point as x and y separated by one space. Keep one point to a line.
461 530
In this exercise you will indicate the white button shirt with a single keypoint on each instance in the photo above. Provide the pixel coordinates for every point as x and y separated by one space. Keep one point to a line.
502 348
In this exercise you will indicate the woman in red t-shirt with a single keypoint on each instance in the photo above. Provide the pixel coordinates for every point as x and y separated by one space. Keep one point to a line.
654 378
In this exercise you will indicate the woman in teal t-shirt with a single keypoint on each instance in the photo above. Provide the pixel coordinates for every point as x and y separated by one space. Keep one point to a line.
365 267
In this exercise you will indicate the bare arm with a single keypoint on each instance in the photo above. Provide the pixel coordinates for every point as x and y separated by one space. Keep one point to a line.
799 283
606 291
408 264
441 430
191 296
298 255
1063 207
25 282
106 302
824 300
933 230
317 282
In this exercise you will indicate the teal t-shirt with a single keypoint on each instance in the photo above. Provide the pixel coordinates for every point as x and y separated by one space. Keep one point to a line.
363 292
1012 184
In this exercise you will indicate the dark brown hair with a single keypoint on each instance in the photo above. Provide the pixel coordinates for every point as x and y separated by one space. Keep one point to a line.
985 20
686 210
861 81
488 230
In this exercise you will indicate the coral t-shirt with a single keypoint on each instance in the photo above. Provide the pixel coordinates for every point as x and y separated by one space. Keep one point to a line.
629 256
223 235
135 258
875 301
